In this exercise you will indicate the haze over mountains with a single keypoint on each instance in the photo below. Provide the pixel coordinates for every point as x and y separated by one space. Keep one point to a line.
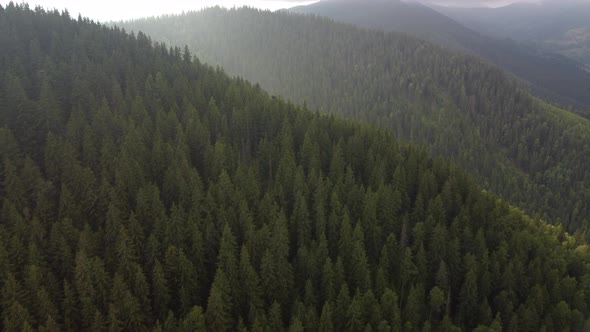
556 26
551 75
142 190
457 105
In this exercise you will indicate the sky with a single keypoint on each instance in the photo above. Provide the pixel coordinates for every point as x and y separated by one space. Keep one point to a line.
115 10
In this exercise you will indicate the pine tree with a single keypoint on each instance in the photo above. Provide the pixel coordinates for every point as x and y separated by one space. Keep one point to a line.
194 321
390 309
360 274
469 294
408 270
219 308
276 271
326 318
414 307
250 291
341 308
437 301
275 319
160 291
354 321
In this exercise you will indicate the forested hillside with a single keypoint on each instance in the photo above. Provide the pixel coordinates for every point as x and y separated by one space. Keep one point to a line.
557 26
533 155
547 73
142 190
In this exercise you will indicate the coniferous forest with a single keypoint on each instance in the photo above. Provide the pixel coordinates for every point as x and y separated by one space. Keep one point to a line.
534 155
143 190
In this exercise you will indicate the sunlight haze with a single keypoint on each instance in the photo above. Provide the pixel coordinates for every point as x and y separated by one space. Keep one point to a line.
113 10
294 165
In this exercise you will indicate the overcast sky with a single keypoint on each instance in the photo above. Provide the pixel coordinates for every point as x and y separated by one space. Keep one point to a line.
105 10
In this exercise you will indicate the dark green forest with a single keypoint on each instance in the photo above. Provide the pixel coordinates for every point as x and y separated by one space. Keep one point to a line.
533 155
143 190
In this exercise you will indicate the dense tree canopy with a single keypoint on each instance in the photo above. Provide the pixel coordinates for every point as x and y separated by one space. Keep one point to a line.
141 190
533 155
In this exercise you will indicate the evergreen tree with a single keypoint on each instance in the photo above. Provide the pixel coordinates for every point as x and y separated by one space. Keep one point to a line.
219 308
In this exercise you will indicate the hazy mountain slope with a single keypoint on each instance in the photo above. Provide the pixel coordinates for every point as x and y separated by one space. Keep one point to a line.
557 26
456 105
412 18
142 191
550 75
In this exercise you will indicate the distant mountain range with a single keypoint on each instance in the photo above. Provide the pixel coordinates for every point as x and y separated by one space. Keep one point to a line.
551 75
562 26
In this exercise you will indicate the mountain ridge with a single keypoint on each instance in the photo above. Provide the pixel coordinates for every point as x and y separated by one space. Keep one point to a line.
548 74
456 105
547 26
142 190
156 193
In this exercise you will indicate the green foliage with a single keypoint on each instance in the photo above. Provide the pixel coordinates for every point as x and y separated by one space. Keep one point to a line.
456 105
232 226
